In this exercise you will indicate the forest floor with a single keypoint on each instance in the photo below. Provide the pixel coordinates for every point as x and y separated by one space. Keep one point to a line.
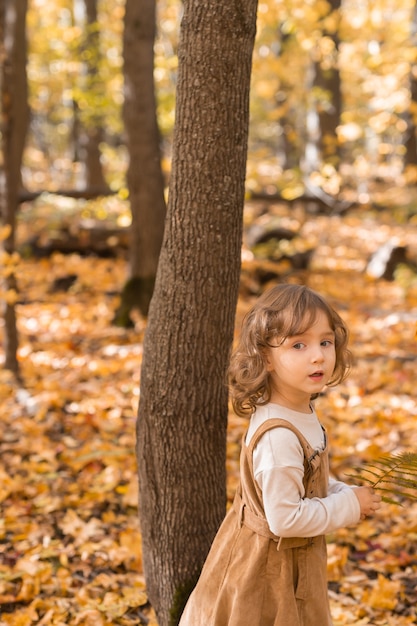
70 544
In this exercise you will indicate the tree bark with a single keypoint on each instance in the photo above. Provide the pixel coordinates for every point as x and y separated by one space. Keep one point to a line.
328 79
183 406
88 126
14 122
144 176
410 157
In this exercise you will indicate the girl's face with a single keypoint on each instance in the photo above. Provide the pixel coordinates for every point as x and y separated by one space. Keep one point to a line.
302 365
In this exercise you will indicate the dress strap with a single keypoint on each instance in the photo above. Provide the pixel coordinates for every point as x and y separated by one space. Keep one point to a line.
279 423
245 516
260 526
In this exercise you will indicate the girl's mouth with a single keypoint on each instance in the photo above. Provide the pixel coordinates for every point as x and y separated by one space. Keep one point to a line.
317 375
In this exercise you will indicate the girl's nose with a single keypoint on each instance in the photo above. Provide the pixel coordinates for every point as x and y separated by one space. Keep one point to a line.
318 355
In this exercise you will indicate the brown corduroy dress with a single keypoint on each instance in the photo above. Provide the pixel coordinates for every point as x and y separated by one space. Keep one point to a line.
254 578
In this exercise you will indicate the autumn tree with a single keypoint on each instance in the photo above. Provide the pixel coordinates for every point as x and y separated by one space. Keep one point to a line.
327 82
183 405
89 123
14 122
144 176
411 139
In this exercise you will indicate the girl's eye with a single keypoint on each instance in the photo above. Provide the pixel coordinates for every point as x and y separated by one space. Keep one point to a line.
326 343
298 345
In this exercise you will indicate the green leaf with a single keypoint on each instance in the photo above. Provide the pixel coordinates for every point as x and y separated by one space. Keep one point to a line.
398 474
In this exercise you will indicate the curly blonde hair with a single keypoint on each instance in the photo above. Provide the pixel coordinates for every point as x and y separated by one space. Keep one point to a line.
281 312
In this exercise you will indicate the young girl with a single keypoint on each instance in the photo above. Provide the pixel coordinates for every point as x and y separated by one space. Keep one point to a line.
267 564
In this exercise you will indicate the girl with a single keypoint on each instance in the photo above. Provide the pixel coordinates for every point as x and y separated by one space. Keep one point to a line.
267 564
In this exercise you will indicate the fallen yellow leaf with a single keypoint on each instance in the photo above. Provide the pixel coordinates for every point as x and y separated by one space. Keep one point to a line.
384 594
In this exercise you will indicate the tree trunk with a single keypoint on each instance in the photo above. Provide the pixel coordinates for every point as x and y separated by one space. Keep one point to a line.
89 126
90 138
327 78
411 141
183 405
14 122
144 177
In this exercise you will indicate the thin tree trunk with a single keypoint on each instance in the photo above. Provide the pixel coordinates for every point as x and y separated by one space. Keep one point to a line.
15 116
89 127
145 179
411 141
183 405
327 78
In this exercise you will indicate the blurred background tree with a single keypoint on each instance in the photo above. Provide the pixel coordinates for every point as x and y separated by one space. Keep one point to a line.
14 123
332 103
333 115
333 110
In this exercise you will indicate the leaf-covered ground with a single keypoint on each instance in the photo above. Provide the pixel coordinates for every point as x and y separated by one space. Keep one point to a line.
70 545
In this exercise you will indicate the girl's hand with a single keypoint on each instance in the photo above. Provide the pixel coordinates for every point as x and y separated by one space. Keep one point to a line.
369 501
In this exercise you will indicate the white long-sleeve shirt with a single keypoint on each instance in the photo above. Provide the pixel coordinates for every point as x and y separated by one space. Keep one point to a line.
278 463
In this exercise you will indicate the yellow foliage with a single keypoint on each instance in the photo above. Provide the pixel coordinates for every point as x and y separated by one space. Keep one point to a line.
68 484
10 296
18 618
5 232
384 594
337 558
7 485
292 192
7 259
135 597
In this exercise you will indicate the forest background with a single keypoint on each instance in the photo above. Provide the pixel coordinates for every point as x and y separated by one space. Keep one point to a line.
331 202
